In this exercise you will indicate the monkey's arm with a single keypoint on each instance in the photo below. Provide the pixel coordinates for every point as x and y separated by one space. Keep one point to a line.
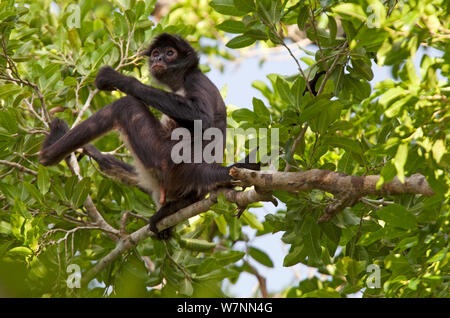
178 107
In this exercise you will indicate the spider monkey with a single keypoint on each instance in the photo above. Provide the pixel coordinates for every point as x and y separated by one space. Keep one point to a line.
175 64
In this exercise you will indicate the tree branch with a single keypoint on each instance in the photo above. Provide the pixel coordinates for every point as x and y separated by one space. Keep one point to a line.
17 166
347 189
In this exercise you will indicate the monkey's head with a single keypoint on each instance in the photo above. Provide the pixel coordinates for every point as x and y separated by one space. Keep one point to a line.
170 57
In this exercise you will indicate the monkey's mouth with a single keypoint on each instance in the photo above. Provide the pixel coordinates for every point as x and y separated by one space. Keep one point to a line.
158 68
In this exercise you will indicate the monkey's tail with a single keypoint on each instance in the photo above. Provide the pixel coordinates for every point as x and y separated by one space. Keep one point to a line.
313 82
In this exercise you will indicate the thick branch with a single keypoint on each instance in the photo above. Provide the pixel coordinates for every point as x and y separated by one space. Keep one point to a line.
329 181
347 189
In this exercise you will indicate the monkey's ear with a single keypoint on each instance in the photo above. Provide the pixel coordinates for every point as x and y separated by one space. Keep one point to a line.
146 52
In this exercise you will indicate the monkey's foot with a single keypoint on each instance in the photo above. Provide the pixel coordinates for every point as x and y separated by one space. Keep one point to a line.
162 235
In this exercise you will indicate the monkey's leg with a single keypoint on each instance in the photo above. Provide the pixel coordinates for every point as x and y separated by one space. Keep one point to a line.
142 132
59 144
127 114
108 164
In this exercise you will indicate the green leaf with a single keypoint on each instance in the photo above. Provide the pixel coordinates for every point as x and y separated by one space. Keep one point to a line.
9 90
240 41
104 49
252 221
391 94
346 10
298 88
43 179
226 7
74 39
256 34
311 111
438 150
329 114
243 114
332 26
234 226
276 9
344 143
438 256
232 26
398 264
261 110
398 216
196 245
331 231
342 125
327 292
303 16
224 258
294 257
260 256
80 192
221 224
5 228
363 68
70 81
20 250
31 189
396 107
407 243
400 161
120 24
284 90
219 274
388 172
371 237
186 287
245 5
8 121
311 239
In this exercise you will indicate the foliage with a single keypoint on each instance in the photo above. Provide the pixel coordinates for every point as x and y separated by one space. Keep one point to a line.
51 52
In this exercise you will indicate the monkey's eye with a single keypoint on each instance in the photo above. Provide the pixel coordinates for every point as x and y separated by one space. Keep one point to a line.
170 52
155 53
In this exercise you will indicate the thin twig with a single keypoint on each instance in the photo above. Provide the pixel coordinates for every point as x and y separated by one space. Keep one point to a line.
18 167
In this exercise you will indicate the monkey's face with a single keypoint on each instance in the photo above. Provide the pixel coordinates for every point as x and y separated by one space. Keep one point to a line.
161 58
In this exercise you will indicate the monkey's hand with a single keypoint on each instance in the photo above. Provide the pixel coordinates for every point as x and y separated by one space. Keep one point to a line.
107 79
